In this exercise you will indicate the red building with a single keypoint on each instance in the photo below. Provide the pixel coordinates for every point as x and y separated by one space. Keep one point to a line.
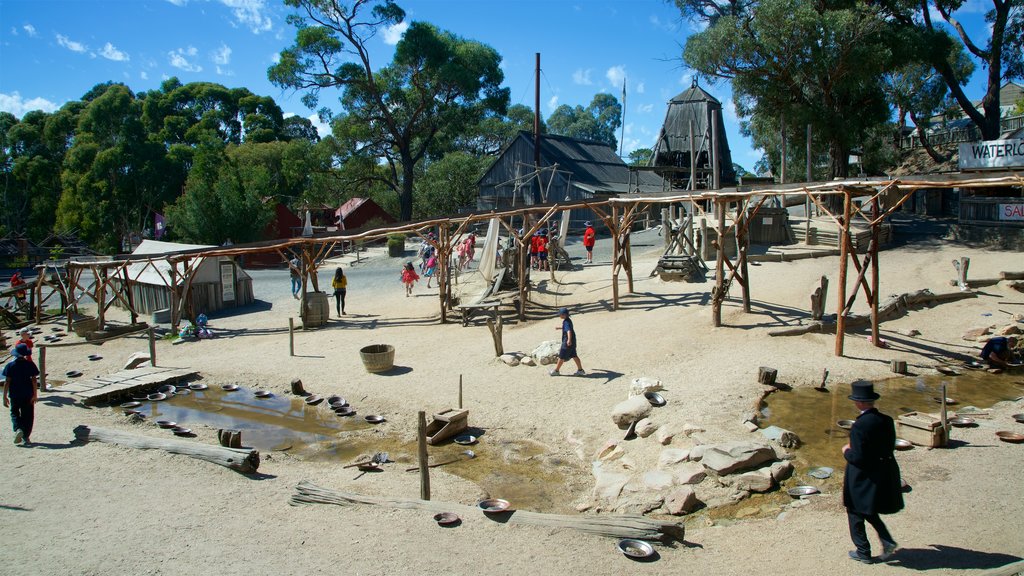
357 212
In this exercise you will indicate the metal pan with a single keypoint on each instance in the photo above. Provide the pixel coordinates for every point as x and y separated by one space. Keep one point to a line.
447 519
466 440
166 424
845 424
229 387
1012 437
156 397
635 548
962 422
494 505
902 444
798 491
263 394
374 419
130 405
655 399
197 386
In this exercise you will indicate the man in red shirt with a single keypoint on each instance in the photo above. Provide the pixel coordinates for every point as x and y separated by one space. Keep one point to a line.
589 239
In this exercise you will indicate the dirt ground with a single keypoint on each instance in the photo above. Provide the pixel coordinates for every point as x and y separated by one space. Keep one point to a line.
103 509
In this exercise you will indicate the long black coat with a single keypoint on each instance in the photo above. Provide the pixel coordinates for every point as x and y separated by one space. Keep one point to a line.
872 482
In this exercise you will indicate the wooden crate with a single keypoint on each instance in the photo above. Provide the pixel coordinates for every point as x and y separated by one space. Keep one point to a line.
921 429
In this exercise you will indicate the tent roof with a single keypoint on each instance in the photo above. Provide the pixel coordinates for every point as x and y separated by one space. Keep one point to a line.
144 273
694 94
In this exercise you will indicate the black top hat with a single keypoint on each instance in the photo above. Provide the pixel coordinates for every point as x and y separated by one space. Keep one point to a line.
863 391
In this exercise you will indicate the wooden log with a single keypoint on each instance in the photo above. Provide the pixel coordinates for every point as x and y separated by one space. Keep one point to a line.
1011 275
291 336
152 347
613 525
42 368
243 460
421 435
766 375
818 299
297 388
495 327
961 267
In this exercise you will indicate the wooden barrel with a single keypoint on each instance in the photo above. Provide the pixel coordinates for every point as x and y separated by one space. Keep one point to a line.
378 357
317 310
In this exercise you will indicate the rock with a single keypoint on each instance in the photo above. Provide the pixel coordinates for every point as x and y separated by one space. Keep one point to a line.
781 470
641 503
697 452
973 334
658 479
758 481
642 385
528 361
664 435
608 485
610 451
1008 330
729 457
645 428
627 463
509 359
670 456
547 352
681 501
690 430
911 332
747 512
784 437
750 426
690 473
137 359
625 412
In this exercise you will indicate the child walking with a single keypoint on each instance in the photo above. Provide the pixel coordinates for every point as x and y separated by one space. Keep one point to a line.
430 267
340 285
409 276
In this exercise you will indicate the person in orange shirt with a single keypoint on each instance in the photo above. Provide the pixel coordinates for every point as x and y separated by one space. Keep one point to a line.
589 239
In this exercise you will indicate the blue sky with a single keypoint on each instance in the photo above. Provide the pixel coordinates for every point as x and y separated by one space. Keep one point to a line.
54 51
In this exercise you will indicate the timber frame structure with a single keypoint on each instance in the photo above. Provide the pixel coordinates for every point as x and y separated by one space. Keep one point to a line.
733 211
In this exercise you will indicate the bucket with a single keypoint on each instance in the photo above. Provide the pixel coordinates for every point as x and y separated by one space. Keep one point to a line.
317 310
378 357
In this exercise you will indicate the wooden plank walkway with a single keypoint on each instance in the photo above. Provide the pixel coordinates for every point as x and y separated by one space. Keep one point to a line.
124 384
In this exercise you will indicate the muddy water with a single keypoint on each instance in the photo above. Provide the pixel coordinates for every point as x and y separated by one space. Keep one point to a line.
812 414
519 471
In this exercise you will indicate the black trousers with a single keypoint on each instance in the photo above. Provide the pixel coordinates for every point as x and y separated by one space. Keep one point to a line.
860 536
23 414
339 300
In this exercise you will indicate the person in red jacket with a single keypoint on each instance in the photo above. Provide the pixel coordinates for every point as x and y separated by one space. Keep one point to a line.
589 239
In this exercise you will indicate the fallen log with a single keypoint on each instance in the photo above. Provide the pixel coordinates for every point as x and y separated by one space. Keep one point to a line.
245 460
617 526
894 307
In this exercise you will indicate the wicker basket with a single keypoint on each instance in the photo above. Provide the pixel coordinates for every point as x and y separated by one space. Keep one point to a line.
378 357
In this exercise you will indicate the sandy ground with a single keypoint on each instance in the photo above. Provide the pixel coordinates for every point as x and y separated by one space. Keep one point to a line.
101 509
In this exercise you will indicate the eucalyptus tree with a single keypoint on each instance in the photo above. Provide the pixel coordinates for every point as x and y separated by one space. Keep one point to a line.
597 122
436 81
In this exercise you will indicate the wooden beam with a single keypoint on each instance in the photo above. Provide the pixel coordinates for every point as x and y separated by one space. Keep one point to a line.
841 288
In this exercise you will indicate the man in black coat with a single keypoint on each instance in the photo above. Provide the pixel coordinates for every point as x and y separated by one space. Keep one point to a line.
872 484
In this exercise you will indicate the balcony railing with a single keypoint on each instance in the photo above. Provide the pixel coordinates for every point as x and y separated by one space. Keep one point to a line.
966 134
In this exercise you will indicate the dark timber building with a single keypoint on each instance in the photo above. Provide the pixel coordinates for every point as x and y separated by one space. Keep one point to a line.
697 112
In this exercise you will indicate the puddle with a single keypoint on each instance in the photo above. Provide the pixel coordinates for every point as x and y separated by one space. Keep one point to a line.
520 471
812 415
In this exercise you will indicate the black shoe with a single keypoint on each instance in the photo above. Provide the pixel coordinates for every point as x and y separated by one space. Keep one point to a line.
855 555
888 549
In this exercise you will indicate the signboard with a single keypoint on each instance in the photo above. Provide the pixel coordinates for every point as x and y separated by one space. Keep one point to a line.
227 281
1011 212
992 154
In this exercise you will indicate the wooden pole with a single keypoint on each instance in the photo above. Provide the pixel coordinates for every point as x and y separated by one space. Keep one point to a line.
743 243
37 290
875 339
460 391
291 336
615 256
841 288
716 301
716 176
42 368
152 346
129 294
424 467
692 185
101 297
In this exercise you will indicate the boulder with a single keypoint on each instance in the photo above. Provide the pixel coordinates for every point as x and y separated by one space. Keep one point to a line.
625 412
784 437
1008 330
697 452
642 385
608 484
781 470
664 435
547 352
682 500
689 473
973 334
641 503
729 457
670 456
690 430
528 361
610 451
135 360
911 332
509 359
750 426
757 481
645 428
658 479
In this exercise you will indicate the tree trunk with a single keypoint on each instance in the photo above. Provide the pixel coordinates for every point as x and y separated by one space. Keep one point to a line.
922 132
242 460
408 178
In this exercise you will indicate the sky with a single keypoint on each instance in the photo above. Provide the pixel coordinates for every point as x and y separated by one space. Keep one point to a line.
54 51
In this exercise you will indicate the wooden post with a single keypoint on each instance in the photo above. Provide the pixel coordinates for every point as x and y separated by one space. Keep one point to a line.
818 299
692 185
875 210
666 228
705 246
297 388
42 368
494 325
718 297
897 366
844 233
614 226
291 336
767 376
627 252
175 315
100 296
742 243
424 467
152 346
716 173
37 290
460 391
129 294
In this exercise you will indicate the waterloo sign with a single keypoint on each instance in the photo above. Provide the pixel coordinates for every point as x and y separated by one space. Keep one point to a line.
992 154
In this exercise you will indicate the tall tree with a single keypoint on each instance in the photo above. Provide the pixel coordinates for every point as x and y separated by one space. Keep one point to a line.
597 122
1002 54
436 81
640 157
449 184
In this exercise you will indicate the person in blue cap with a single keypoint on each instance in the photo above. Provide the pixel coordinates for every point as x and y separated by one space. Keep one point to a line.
568 349
20 392
871 485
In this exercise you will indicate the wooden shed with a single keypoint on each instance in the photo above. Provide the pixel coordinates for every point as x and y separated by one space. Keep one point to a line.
218 283
356 212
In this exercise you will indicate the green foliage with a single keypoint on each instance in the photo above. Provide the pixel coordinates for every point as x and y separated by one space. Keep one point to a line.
398 113
449 184
597 122
640 157
1018 108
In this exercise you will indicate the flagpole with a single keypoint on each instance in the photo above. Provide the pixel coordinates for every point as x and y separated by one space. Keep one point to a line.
622 133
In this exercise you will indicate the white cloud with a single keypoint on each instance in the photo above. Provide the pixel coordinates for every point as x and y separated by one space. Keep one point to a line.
250 13
629 145
177 58
30 29
645 108
222 55
110 53
70 44
178 2
686 80
729 111
393 33
616 75
18 106
322 128
275 57
553 102
143 75
640 88
582 77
